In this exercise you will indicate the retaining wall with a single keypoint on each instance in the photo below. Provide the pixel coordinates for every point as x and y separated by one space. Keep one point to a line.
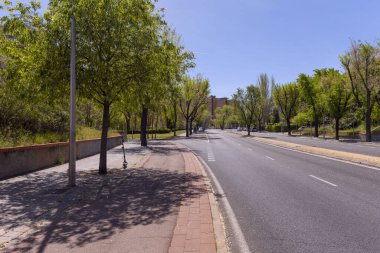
20 160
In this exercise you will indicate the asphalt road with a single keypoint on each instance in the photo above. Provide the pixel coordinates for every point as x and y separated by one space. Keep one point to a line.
352 146
286 201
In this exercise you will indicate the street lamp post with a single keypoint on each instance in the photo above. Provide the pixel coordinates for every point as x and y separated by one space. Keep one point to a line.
72 139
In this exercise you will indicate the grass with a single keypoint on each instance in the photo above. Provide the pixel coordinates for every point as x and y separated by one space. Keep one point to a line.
23 139
166 136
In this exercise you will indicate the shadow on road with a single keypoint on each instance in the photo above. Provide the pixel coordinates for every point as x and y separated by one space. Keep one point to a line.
96 209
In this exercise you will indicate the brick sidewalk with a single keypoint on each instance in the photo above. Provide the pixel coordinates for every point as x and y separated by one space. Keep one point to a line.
194 231
159 204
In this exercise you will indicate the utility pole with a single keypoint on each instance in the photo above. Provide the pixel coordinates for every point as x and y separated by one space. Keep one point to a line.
72 139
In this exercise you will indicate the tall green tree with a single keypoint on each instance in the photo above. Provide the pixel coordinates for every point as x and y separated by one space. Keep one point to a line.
312 95
286 99
222 115
263 109
337 94
246 102
362 65
194 95
109 35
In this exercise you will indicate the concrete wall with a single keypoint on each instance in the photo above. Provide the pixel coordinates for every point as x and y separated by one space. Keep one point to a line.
375 137
21 160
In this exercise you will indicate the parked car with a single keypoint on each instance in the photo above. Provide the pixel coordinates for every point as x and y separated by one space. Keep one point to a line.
240 129
200 129
301 128
254 130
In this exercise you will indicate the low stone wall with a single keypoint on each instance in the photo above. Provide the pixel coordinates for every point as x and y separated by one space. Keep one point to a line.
21 160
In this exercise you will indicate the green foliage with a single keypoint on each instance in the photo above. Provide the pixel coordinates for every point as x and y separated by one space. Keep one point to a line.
302 119
246 103
223 116
362 65
193 99
278 127
286 99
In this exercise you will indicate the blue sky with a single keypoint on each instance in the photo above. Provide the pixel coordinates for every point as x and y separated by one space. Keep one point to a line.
235 41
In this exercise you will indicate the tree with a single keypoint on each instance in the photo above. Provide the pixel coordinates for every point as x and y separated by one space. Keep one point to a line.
262 112
312 94
362 64
336 93
194 95
222 114
286 98
109 35
177 62
246 102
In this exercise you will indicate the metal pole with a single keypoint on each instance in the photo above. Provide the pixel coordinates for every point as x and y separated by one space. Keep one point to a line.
72 140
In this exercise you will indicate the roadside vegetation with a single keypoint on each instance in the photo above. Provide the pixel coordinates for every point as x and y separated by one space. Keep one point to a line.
328 102
132 73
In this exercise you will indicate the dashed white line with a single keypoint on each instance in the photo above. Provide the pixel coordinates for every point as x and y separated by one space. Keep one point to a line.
269 158
322 180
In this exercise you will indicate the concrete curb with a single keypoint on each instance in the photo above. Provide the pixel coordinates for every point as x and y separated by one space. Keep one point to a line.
217 218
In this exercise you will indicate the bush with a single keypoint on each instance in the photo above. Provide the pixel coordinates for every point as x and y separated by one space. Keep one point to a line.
277 128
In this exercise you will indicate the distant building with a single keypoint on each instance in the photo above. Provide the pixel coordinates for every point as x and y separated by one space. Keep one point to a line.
214 102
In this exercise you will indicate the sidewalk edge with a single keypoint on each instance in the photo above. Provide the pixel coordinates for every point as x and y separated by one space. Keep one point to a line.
217 218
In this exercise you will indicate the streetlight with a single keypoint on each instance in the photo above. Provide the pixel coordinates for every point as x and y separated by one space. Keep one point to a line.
72 139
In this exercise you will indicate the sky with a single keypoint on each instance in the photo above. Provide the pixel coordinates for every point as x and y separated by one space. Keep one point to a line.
236 40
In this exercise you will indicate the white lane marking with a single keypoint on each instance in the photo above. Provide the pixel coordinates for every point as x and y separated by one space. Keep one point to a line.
320 179
321 156
241 243
269 158
210 154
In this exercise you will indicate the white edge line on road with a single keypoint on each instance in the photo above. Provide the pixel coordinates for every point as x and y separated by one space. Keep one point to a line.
269 158
239 236
321 156
320 179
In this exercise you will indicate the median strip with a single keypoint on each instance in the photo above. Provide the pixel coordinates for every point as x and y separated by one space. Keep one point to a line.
372 161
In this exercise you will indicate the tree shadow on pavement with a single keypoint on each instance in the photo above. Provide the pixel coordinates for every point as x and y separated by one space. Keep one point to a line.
96 209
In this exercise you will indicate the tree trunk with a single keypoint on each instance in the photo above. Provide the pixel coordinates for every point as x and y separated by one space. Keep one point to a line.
191 127
175 121
187 128
249 130
368 134
152 127
155 132
144 124
316 126
103 141
128 123
289 129
127 117
336 128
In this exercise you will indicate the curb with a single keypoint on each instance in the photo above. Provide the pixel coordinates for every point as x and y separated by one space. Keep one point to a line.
217 218
343 156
